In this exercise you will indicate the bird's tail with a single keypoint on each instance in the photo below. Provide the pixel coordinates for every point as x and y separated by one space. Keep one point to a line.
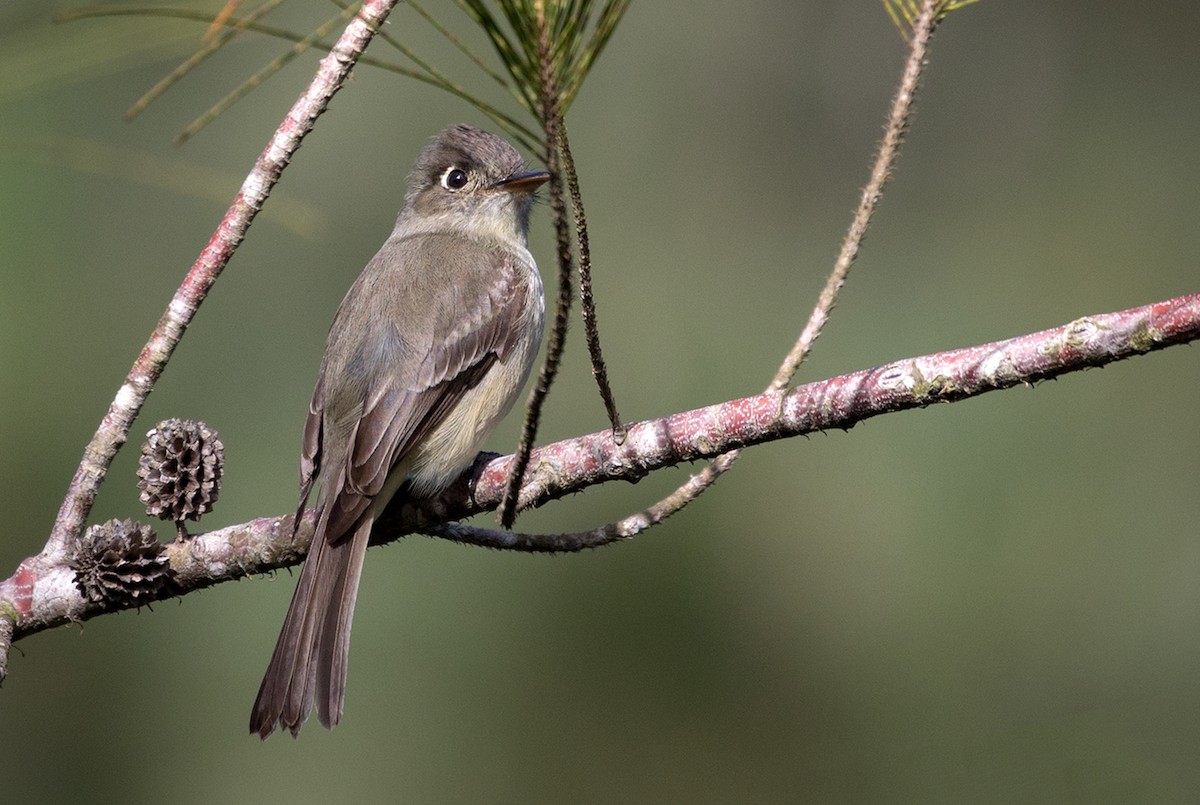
309 662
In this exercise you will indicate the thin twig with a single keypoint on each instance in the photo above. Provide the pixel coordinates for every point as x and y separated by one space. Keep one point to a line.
587 303
562 313
898 120
906 13
114 428
625 528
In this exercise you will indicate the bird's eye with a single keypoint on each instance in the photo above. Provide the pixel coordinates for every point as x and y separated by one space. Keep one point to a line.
454 179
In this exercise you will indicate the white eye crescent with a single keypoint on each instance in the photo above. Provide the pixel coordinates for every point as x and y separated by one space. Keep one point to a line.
454 178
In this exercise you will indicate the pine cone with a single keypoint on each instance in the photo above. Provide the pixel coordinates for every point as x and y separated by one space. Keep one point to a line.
120 562
179 473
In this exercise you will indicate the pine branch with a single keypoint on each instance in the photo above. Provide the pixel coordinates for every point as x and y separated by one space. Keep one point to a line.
153 358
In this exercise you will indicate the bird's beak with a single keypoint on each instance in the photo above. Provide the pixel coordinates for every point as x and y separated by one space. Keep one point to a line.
525 182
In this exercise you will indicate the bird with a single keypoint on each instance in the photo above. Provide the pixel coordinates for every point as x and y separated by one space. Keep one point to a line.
426 354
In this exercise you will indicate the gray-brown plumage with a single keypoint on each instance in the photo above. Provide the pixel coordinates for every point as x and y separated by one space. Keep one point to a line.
426 354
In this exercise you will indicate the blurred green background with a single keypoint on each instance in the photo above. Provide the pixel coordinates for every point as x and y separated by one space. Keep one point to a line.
994 601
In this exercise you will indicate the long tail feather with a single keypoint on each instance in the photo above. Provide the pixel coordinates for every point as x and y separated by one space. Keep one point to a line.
311 654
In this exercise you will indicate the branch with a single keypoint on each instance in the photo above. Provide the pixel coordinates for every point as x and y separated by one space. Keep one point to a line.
872 194
114 427
551 114
42 594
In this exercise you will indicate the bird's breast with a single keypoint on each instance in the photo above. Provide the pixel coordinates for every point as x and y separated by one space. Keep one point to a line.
452 445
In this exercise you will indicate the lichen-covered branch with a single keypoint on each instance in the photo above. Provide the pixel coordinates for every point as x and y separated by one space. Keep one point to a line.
43 594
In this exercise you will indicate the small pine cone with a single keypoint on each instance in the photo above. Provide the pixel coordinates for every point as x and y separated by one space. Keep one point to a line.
120 562
179 473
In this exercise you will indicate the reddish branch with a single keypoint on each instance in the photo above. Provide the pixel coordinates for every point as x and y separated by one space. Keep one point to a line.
20 592
41 594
